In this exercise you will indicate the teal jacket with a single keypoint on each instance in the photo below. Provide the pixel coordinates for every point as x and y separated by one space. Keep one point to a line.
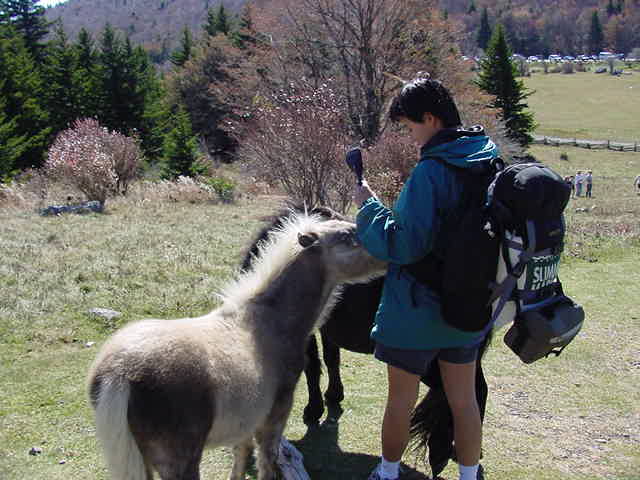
409 315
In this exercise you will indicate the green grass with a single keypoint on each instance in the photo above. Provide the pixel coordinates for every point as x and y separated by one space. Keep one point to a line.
570 418
586 105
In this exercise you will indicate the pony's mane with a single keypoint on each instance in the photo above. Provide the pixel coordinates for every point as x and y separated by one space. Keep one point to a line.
279 249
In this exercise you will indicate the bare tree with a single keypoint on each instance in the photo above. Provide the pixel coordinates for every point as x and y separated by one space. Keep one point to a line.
355 41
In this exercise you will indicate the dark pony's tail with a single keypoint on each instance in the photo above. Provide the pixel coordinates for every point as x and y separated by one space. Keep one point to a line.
431 422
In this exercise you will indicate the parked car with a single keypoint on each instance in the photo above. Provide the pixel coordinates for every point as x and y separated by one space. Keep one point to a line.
555 58
605 55
533 58
568 58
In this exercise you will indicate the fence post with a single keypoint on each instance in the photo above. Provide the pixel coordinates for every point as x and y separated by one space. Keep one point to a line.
635 146
608 144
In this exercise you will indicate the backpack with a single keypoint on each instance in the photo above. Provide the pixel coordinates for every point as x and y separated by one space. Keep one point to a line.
501 258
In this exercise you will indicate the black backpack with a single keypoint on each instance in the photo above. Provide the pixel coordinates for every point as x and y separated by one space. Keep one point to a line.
500 260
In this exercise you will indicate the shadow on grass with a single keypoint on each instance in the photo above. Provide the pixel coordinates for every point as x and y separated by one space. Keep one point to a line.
324 459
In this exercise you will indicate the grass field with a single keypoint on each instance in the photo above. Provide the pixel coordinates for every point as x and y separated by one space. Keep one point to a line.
586 105
571 418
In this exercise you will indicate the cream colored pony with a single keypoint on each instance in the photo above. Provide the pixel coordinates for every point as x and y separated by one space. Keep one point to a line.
162 390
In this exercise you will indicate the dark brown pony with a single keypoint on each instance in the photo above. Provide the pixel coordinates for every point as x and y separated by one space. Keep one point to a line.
348 326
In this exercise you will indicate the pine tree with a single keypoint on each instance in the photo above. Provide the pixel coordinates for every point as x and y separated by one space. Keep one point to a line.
27 18
484 32
222 21
472 8
180 148
86 75
22 92
185 51
217 22
61 97
210 27
498 78
611 9
12 145
596 36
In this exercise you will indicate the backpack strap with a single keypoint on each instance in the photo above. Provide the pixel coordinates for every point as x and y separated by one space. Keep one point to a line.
507 290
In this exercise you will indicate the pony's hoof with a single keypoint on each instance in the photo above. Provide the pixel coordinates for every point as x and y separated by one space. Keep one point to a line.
312 414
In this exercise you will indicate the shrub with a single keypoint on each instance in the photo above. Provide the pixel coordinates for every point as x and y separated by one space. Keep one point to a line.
564 156
180 149
297 140
224 188
95 161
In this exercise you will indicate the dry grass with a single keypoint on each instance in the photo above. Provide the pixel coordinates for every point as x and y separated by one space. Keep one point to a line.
153 254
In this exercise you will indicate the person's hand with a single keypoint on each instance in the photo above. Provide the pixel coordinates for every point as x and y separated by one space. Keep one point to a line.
362 193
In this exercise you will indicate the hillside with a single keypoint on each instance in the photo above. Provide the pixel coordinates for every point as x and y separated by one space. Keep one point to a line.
156 24
534 26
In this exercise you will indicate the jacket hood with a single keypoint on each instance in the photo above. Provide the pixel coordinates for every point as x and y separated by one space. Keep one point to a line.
460 147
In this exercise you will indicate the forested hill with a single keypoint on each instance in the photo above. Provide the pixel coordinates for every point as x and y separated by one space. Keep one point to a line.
156 24
533 26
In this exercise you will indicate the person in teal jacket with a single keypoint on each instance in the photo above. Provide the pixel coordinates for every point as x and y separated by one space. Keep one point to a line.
409 330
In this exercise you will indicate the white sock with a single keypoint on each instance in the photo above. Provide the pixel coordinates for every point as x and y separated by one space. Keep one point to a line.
389 469
468 473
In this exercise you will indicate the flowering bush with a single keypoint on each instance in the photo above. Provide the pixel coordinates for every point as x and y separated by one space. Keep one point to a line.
297 140
95 161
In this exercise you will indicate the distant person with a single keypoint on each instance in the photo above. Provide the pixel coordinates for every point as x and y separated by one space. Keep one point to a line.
569 181
588 179
578 182
636 183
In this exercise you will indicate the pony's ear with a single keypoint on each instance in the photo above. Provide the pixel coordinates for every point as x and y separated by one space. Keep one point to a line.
307 239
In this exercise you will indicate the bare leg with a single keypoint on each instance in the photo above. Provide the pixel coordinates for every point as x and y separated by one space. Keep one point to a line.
241 455
401 399
460 387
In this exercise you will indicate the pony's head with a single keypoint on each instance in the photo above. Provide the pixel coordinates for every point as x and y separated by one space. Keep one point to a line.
346 260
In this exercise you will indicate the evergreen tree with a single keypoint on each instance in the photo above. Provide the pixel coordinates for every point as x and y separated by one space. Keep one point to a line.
217 22
22 92
596 36
110 79
484 32
61 97
498 78
12 145
472 8
180 148
185 51
244 34
27 18
611 9
222 21
210 27
86 75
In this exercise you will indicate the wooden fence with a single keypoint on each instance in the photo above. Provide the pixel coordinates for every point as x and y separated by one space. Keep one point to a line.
589 144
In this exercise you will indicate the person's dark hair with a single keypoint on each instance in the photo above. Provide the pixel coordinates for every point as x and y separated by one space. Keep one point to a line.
425 95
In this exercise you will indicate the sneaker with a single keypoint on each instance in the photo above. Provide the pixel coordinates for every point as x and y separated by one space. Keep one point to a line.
376 475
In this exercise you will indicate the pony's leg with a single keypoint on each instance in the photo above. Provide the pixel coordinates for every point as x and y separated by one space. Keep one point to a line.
315 406
268 437
241 455
331 355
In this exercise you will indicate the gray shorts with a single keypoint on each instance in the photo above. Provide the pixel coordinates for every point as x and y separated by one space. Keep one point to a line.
418 361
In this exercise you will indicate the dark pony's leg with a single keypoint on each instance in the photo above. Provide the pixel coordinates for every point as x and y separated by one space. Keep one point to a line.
315 406
331 355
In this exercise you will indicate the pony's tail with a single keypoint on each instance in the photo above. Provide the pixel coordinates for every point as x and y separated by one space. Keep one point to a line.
431 430
121 452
